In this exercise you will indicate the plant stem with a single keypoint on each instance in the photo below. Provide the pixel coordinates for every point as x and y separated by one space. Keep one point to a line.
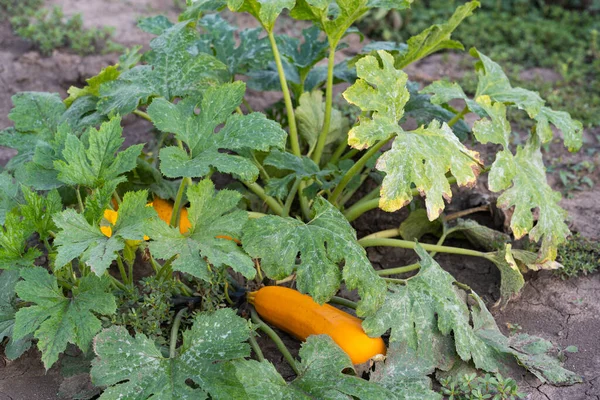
385 234
255 215
328 106
295 145
174 333
177 205
363 177
399 270
304 207
351 153
356 168
343 302
117 198
407 244
460 214
458 116
277 340
256 348
392 280
79 200
359 209
122 269
248 107
338 152
271 202
290 198
116 282
142 114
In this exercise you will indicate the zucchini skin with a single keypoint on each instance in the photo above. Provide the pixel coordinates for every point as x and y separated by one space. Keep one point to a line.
299 315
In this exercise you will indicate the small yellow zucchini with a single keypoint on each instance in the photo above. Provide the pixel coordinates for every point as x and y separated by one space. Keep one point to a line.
299 315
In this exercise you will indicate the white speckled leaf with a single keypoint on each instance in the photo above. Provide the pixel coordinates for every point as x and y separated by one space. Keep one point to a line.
382 91
422 158
422 313
523 177
322 244
135 369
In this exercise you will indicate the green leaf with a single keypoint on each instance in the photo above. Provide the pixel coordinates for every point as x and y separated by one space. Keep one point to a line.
262 381
511 279
37 211
302 167
265 11
36 112
322 244
13 243
321 375
135 369
422 108
197 8
334 18
172 71
495 84
211 214
381 91
9 195
79 238
422 158
435 38
94 164
57 320
417 224
221 39
155 25
423 312
92 88
405 374
241 132
14 348
529 351
310 115
444 91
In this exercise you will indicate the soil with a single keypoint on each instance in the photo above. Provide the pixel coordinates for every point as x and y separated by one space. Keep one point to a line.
564 312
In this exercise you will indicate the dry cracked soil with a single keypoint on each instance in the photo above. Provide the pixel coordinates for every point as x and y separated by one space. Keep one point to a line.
564 312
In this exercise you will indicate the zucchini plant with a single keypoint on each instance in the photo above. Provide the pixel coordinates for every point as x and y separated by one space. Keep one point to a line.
96 236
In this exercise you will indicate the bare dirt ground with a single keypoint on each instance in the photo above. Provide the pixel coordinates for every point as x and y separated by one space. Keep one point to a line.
564 312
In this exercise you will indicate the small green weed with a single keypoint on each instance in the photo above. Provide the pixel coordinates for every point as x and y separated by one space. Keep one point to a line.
48 29
473 387
580 256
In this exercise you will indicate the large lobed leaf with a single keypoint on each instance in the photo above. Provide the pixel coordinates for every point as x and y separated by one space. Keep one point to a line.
421 157
56 320
172 71
522 176
265 11
213 216
241 132
14 348
321 244
424 312
135 369
98 161
13 243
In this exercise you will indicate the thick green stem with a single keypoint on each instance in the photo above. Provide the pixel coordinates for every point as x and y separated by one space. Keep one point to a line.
277 340
359 209
407 244
174 333
338 152
122 270
351 153
79 200
328 106
363 177
343 302
255 215
256 348
399 270
386 234
179 197
142 114
290 198
356 168
116 282
304 207
271 202
248 107
458 116
287 98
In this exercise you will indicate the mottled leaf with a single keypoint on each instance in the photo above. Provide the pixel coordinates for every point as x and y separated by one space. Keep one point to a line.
265 11
14 347
56 320
135 369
